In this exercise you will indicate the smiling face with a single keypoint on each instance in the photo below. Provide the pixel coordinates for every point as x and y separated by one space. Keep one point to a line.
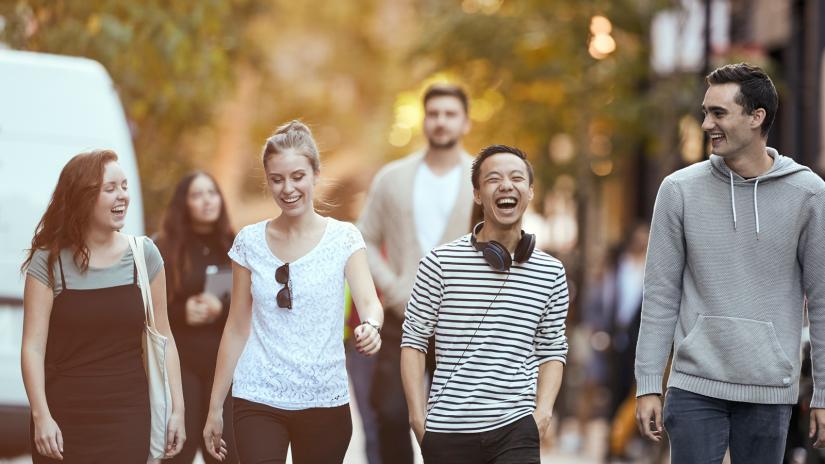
203 201
732 131
291 181
112 202
504 190
445 121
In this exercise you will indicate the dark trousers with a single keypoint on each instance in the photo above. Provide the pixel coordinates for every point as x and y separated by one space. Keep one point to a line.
701 429
317 435
197 387
388 398
516 443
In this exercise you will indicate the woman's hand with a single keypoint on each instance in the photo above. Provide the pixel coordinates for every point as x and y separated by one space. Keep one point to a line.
367 339
175 434
196 311
213 306
48 440
212 433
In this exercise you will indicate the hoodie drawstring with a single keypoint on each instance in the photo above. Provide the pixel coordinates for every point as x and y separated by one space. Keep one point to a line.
756 206
732 200
755 202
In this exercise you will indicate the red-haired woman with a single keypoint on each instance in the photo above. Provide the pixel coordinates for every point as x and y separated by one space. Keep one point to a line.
194 239
83 323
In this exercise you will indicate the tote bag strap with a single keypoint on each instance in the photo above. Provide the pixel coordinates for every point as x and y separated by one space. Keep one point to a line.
136 244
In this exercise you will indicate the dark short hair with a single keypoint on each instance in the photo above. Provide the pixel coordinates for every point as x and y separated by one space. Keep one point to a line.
487 152
756 90
447 90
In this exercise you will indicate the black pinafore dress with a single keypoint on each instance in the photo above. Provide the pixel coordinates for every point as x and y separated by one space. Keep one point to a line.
96 386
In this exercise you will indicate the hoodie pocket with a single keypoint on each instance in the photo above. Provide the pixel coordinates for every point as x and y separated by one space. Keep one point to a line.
734 350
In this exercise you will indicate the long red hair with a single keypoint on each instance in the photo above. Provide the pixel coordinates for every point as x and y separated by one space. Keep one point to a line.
66 220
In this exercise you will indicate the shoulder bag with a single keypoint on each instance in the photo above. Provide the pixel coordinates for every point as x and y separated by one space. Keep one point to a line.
154 359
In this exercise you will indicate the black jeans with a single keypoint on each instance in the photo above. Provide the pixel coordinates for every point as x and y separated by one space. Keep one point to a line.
317 435
516 443
702 428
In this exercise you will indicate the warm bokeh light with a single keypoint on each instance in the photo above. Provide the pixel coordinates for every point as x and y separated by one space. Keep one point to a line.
690 139
481 110
399 136
600 25
487 7
602 45
600 145
602 167
495 98
561 148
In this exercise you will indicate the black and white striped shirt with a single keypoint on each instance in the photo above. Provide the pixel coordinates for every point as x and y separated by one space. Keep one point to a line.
492 331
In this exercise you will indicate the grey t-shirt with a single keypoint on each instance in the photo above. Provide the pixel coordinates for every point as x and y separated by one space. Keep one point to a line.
120 273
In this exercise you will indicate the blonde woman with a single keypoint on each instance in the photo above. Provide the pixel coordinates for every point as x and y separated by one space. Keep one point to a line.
282 348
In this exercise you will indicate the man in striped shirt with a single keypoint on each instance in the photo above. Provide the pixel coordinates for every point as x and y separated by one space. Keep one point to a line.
497 309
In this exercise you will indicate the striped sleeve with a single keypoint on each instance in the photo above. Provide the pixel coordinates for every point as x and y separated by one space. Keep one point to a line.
551 341
422 310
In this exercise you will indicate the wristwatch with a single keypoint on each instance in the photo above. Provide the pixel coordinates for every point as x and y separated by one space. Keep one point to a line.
375 325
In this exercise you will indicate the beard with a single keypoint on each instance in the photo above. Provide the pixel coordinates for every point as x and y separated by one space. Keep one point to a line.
445 145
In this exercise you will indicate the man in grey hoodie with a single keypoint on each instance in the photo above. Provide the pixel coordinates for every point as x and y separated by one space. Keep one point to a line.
737 243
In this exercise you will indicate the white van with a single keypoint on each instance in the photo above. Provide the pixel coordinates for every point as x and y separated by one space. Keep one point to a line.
51 108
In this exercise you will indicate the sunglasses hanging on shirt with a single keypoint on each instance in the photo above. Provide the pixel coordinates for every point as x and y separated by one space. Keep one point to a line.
284 296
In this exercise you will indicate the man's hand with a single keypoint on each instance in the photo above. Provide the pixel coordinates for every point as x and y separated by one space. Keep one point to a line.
817 427
543 422
649 416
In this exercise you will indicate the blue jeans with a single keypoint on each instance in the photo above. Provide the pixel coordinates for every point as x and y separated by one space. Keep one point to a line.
702 428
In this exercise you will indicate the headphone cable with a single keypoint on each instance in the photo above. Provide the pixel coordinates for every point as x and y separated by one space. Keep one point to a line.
461 356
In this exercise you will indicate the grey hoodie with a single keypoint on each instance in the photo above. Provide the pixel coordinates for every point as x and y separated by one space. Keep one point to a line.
729 264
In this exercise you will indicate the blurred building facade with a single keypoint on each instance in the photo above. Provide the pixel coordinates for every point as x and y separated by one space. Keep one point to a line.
786 37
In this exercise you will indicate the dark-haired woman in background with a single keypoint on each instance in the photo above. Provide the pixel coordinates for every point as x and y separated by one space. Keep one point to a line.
194 238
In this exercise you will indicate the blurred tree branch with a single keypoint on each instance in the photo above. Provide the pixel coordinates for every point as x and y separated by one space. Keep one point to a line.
172 62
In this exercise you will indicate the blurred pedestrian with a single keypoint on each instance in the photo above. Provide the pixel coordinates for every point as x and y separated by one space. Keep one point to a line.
194 239
735 246
497 308
361 370
414 204
84 321
614 308
282 349
625 312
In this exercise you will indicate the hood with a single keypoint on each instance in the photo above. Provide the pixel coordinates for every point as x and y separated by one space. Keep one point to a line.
782 166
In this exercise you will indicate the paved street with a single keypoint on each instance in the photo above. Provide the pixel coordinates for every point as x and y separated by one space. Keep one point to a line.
553 454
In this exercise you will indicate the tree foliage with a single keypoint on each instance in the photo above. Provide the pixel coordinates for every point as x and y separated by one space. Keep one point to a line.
171 61
535 54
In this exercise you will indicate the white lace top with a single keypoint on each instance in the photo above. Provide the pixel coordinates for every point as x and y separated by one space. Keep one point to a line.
294 359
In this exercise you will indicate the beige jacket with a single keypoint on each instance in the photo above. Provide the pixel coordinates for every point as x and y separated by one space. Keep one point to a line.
388 227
